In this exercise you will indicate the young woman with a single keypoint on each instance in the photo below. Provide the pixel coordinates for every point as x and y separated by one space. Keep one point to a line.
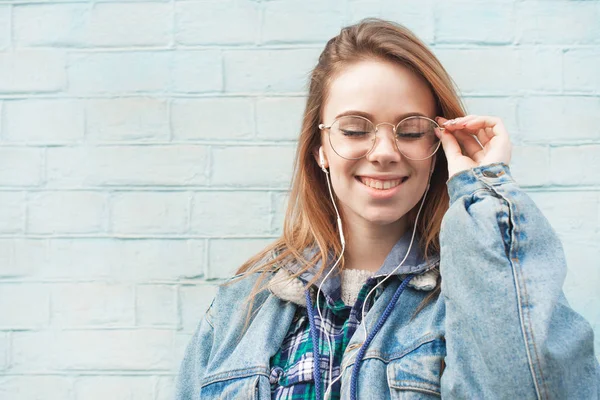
411 264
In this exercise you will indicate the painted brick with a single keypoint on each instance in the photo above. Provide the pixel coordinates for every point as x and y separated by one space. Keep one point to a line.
202 22
283 20
150 212
530 165
582 280
126 165
21 257
564 22
581 220
477 70
503 70
156 305
55 122
115 72
581 68
279 118
24 305
197 71
133 24
92 304
93 349
279 202
4 27
231 213
181 342
227 255
489 22
35 387
165 387
285 70
583 162
4 348
140 260
20 71
194 300
248 166
66 212
144 71
51 24
417 15
213 118
532 61
79 25
12 212
559 119
20 166
114 387
139 119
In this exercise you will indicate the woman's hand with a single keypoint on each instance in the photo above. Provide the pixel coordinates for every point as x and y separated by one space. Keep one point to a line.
462 150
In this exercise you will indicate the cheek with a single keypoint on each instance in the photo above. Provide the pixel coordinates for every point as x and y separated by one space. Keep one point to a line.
341 176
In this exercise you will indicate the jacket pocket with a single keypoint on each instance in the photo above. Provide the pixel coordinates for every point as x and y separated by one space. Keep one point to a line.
416 375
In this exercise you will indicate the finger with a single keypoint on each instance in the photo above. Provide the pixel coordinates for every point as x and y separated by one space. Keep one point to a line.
471 146
484 135
456 121
491 125
449 144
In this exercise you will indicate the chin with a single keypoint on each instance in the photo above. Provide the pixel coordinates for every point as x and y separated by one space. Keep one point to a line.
383 218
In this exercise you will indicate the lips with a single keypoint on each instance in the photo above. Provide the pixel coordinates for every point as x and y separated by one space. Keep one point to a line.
381 184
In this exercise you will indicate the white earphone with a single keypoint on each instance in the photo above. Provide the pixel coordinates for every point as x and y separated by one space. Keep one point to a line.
322 160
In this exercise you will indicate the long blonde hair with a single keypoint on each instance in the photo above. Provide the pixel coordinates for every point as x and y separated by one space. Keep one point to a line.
310 219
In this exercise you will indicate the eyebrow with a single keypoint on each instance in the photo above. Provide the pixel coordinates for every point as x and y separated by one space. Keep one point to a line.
370 116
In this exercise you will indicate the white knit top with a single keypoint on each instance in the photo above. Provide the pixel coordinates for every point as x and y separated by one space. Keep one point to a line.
352 281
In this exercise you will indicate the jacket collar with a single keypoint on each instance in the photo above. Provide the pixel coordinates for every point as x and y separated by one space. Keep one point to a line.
293 289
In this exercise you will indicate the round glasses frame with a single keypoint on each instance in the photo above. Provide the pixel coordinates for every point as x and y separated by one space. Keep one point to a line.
376 130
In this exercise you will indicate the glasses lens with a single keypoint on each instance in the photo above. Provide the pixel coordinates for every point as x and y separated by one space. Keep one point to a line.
416 137
352 137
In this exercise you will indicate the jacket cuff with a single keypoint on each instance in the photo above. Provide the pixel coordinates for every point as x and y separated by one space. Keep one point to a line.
466 182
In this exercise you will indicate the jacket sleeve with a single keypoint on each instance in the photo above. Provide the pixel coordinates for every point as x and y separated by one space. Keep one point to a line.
509 330
195 360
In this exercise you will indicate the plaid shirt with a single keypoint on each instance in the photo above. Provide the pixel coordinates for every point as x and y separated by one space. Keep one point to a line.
292 366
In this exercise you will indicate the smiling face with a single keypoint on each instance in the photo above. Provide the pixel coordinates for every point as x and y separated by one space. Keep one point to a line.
382 187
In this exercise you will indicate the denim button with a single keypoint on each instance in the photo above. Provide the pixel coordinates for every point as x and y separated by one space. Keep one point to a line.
276 373
490 174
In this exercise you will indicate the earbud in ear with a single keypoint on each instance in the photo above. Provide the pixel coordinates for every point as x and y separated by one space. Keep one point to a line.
321 158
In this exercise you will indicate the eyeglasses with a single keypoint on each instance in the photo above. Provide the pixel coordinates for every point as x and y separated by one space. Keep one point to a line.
353 137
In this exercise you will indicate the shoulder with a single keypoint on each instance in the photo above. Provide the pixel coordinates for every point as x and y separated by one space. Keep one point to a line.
241 291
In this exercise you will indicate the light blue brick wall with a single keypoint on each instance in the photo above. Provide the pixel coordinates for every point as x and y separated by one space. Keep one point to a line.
146 148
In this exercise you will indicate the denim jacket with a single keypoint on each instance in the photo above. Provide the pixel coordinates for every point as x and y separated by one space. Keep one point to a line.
501 327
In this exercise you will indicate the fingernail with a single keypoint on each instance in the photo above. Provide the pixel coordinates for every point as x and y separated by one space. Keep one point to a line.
449 122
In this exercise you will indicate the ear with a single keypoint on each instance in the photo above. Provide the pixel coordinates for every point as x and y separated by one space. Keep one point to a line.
320 158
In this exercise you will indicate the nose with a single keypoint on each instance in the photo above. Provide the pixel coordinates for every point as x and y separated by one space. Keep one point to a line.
385 150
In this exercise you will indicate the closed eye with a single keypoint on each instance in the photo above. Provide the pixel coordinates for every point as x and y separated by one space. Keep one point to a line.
353 133
415 135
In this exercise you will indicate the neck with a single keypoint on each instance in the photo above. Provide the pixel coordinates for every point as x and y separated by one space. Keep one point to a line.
367 244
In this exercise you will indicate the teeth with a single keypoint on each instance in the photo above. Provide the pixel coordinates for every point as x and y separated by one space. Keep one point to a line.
377 184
